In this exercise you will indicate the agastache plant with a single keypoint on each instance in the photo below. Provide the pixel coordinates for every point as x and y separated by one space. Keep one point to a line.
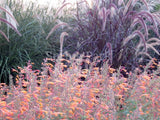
8 23
118 30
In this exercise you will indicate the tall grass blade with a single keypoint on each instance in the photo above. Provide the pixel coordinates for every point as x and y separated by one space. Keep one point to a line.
127 7
58 11
139 20
153 39
2 33
10 14
10 18
5 21
151 46
136 32
55 27
143 1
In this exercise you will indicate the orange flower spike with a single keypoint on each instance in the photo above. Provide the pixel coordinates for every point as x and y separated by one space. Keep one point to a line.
41 105
3 103
8 112
91 94
23 109
95 90
106 118
50 83
126 89
78 94
98 115
17 77
71 112
77 99
90 105
84 71
73 105
121 86
142 87
146 77
24 92
111 70
87 112
41 115
57 113
141 111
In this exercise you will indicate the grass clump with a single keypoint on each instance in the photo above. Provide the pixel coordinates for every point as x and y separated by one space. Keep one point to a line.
34 25
124 32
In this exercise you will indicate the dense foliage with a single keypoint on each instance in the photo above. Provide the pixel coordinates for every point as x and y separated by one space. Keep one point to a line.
74 93
124 31
34 25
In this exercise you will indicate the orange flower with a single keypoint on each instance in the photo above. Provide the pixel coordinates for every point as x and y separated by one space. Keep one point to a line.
87 112
71 112
77 99
141 111
50 65
73 105
146 77
41 105
111 70
95 90
58 113
98 115
23 109
78 94
40 115
3 103
50 83
84 71
24 92
90 105
143 87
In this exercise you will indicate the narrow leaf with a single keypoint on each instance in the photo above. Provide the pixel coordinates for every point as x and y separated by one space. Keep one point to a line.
1 32
139 20
136 32
57 12
144 53
150 46
5 21
143 1
9 14
153 39
103 14
150 18
127 6
10 18
120 2
109 46
55 27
